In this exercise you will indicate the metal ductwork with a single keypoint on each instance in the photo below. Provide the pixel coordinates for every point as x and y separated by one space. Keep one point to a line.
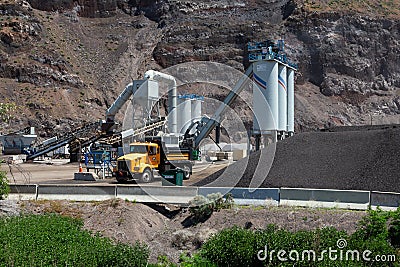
172 96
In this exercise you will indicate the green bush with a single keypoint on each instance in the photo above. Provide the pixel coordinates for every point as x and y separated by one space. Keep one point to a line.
394 229
4 188
240 247
197 260
231 247
201 207
53 240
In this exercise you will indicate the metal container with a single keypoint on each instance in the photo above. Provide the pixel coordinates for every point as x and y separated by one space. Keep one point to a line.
290 100
282 98
265 96
184 111
196 107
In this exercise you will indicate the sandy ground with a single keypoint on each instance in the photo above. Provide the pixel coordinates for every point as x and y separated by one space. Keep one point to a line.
62 172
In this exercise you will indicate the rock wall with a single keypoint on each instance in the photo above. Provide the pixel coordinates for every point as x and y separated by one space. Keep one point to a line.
348 53
85 8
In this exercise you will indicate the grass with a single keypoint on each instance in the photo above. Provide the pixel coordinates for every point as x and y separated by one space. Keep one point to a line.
53 240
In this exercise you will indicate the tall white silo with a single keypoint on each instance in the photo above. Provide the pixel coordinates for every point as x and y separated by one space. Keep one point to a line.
265 96
184 112
282 98
196 107
290 100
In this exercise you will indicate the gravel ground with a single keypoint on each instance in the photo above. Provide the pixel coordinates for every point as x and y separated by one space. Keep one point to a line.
356 158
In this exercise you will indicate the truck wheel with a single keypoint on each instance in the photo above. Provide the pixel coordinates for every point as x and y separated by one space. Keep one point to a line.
147 176
186 172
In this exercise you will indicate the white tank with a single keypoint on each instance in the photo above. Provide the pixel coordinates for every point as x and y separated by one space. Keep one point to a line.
196 107
290 100
184 112
282 98
265 96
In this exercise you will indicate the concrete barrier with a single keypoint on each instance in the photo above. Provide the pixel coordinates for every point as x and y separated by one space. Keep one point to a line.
85 176
76 192
246 196
385 200
23 192
155 194
325 198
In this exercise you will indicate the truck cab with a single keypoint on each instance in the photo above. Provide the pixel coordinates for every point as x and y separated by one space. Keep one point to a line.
139 163
145 157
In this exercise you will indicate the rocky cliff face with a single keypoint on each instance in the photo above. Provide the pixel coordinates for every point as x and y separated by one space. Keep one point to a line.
85 8
64 62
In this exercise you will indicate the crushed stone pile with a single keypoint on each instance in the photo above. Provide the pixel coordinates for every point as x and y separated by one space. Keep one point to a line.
346 158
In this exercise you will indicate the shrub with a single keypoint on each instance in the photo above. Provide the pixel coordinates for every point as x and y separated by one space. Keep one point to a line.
4 188
53 240
201 207
394 229
240 247
197 260
231 247
373 225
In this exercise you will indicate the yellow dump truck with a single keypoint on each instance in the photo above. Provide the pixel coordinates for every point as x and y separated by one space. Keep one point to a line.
145 157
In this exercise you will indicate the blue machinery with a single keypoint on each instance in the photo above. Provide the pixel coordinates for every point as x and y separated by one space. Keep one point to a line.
268 50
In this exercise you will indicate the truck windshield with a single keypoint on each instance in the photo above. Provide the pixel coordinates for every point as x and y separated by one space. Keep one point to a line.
138 149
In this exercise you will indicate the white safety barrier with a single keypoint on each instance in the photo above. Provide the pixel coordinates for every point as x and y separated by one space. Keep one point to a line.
76 192
306 197
384 200
156 194
23 192
324 198
246 196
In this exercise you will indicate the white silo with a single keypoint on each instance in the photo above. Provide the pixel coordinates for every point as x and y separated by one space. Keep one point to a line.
265 96
196 107
290 101
184 112
282 98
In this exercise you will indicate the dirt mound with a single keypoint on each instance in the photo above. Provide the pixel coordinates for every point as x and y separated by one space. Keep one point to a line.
360 159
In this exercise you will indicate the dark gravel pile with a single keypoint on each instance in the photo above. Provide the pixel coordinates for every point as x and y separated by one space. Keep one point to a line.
359 158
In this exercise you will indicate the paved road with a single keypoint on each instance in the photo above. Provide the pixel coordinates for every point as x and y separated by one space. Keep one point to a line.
61 172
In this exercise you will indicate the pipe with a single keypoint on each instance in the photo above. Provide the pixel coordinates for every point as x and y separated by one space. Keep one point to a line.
172 96
119 102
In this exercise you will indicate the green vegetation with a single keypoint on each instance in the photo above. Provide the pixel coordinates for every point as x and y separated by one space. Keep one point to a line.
6 110
53 240
202 207
4 188
378 232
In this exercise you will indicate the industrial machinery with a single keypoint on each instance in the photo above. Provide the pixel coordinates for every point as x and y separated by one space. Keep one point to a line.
166 151
144 157
173 142
177 146
186 129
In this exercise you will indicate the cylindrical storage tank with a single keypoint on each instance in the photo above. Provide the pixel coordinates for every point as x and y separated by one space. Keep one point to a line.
184 112
196 107
282 98
290 100
265 96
